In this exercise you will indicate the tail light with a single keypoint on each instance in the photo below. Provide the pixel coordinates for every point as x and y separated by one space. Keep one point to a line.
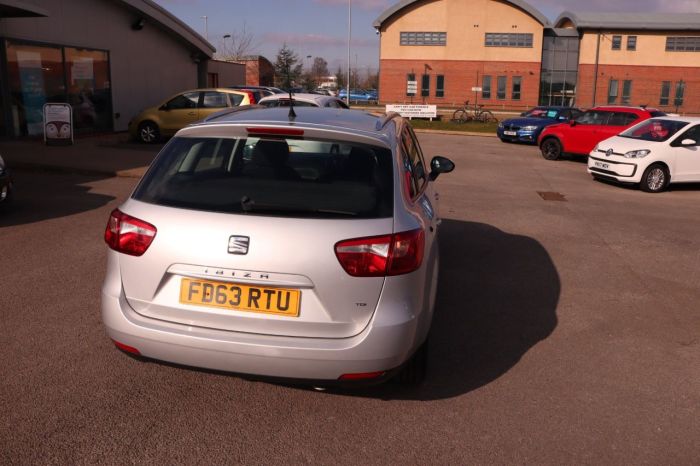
251 97
127 348
127 234
380 256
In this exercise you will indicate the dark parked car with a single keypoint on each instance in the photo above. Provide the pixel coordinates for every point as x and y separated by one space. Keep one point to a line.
529 125
5 184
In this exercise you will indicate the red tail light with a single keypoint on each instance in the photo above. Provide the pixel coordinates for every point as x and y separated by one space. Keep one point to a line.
251 97
126 348
127 234
362 376
380 256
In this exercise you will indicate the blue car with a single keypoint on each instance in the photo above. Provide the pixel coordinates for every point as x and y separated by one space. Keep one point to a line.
358 95
528 127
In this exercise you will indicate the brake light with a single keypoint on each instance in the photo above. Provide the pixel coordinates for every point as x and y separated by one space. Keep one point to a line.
127 234
379 256
251 97
276 131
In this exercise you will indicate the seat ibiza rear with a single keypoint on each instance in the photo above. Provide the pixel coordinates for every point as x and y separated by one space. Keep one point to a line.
299 247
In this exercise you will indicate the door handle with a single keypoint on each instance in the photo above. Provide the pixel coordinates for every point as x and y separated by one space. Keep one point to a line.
192 113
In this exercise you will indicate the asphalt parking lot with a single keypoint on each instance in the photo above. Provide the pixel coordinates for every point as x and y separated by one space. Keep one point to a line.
567 332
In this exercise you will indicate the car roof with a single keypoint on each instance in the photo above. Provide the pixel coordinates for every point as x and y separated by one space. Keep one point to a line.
374 126
623 108
319 99
687 119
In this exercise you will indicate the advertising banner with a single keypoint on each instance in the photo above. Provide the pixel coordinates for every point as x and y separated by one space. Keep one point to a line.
58 124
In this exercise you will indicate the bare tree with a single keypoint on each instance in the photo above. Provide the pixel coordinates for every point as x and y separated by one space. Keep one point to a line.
237 45
319 70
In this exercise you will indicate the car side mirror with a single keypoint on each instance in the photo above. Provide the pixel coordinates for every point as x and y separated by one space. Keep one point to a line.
572 123
689 142
440 165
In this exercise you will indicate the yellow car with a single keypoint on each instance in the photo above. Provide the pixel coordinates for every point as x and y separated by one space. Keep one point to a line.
183 109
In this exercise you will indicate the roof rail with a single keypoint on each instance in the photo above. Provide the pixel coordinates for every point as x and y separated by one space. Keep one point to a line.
381 123
229 111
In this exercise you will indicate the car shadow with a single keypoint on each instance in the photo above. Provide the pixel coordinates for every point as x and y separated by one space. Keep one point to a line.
497 298
41 195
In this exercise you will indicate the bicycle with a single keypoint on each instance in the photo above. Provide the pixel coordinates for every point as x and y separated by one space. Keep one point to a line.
475 112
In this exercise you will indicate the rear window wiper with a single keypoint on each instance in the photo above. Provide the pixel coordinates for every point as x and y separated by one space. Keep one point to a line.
249 205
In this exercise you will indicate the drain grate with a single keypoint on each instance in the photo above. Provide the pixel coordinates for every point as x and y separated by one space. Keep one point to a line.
552 196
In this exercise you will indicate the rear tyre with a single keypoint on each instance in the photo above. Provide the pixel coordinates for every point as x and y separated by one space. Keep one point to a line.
551 149
149 133
655 179
415 370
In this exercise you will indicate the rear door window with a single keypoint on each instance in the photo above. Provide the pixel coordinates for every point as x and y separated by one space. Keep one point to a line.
272 176
594 117
213 99
622 119
414 161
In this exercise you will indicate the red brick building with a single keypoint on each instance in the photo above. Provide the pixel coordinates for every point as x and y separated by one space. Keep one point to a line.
259 71
507 55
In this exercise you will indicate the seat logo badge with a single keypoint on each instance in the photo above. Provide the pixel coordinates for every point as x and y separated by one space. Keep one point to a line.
238 245
609 153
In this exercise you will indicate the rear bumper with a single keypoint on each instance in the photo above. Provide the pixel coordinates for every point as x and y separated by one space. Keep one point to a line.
379 347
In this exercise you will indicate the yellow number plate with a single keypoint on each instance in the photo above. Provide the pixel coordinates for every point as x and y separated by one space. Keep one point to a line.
278 301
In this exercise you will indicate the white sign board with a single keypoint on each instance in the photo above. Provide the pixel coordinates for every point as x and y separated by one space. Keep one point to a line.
476 89
58 124
412 87
413 111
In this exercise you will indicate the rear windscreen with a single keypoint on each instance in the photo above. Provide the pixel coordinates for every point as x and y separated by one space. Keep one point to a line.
263 176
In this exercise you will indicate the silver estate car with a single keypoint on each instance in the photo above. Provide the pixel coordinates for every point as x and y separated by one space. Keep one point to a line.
295 247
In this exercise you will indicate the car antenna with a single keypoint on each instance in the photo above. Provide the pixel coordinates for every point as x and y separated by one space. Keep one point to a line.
292 114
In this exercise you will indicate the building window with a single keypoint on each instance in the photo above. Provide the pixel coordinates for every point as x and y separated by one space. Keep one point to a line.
612 91
507 39
631 42
423 38
440 86
665 93
425 85
517 87
680 92
486 87
38 74
626 91
501 90
683 44
410 85
617 42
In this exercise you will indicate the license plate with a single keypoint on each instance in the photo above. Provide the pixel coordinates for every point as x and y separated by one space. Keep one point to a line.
234 296
602 165
510 133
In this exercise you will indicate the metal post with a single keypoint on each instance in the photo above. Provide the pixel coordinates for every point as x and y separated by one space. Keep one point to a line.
347 96
595 70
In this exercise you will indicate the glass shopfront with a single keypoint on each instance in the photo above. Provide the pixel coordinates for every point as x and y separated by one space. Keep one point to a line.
37 74
559 70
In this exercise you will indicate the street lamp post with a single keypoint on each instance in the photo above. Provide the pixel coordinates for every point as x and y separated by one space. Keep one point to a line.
206 27
347 96
227 56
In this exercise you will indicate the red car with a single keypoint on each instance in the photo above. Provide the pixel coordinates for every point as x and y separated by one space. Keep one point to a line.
580 136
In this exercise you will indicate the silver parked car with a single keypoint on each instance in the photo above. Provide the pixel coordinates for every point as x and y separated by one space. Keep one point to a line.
251 248
302 100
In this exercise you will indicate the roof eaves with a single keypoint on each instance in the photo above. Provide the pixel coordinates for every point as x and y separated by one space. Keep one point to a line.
520 4
172 23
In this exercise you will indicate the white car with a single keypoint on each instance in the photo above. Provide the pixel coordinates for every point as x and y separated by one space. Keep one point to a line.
303 100
653 154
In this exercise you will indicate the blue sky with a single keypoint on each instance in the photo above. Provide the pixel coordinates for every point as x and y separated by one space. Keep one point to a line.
319 27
